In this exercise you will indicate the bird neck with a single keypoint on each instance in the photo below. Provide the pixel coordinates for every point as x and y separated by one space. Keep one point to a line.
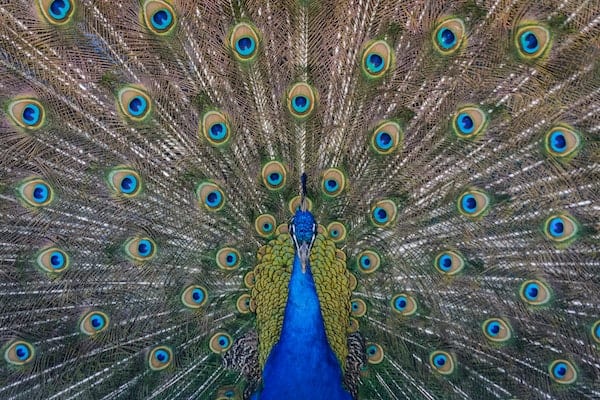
302 365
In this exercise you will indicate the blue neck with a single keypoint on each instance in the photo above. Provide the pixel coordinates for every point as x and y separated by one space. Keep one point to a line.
302 365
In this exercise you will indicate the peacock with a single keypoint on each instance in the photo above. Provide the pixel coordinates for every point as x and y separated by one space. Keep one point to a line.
299 199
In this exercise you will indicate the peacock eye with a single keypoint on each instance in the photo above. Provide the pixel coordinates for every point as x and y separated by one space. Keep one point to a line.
210 195
473 203
159 358
301 100
19 352
216 128
27 113
562 371
294 204
337 231
442 362
194 296
57 12
562 142
404 304
249 279
449 36
561 229
386 137
496 330
228 393
52 260
35 192
159 16
532 41
449 262
244 304
374 353
220 342
469 122
383 213
124 182
333 182
228 259
93 323
376 59
134 103
140 249
244 42
265 225
368 261
274 175
358 307
534 292
596 331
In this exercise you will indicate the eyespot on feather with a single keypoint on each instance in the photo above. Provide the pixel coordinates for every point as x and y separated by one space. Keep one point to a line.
19 352
244 42
159 16
449 36
35 192
210 196
27 113
216 128
134 103
93 323
57 12
160 358
301 99
53 260
377 58
194 296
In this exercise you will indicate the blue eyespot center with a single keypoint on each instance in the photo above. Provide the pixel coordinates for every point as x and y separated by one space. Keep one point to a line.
384 140
335 233
331 185
31 114
59 9
557 227
372 350
300 103
560 370
275 178
469 203
493 328
162 19
197 295
128 184
245 46
223 341
57 260
375 62
529 42
380 214
439 360
137 106
218 131
40 193
267 227
162 356
465 123
231 259
97 321
144 248
445 262
446 38
365 262
22 352
531 291
213 199
558 142
401 303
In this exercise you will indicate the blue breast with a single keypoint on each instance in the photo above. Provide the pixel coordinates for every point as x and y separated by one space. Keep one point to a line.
302 365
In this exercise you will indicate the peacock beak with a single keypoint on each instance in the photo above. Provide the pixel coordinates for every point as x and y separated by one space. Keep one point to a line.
303 253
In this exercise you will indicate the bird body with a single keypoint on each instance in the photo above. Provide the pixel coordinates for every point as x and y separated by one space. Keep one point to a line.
438 164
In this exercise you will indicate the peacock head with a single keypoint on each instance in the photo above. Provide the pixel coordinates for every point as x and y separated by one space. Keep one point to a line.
303 228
